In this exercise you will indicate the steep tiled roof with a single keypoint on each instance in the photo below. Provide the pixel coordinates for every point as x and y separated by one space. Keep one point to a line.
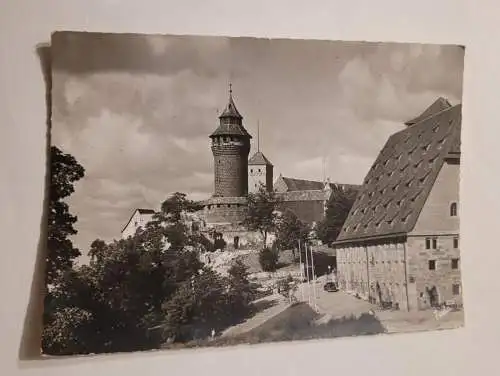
439 105
302 185
259 159
397 185
308 185
146 211
309 195
345 186
231 110
231 122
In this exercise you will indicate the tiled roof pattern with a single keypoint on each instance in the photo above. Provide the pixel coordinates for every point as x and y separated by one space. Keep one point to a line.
302 185
398 183
231 122
308 185
309 195
231 129
231 110
439 105
259 159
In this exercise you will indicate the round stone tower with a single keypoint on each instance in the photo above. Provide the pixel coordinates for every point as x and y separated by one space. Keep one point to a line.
230 148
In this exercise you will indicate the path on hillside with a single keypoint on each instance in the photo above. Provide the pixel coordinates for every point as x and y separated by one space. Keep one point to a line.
280 304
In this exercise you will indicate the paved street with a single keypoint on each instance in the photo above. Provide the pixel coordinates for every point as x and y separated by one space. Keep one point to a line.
340 304
334 304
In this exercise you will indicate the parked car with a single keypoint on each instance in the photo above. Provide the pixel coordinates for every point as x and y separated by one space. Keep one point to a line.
330 287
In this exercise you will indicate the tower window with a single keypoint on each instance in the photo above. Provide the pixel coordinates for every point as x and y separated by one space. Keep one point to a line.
432 264
453 209
456 289
455 242
454 263
251 170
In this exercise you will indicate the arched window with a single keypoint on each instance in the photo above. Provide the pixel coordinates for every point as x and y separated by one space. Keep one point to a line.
453 209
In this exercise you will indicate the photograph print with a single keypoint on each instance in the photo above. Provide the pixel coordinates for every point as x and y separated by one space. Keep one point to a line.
217 191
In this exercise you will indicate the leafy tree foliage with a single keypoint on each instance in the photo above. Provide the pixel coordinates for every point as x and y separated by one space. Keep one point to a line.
152 280
268 259
337 210
64 172
261 215
289 230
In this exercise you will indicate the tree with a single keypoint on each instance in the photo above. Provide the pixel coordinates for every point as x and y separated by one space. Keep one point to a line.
240 291
153 279
199 306
64 172
289 230
268 260
337 210
261 214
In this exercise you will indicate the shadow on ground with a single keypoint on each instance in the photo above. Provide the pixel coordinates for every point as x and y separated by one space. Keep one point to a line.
298 322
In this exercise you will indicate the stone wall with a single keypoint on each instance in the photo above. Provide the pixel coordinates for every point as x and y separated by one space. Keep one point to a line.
225 211
436 222
376 272
444 275
260 174
230 169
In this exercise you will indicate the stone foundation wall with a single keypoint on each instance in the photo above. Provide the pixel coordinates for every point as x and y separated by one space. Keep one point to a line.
443 277
376 272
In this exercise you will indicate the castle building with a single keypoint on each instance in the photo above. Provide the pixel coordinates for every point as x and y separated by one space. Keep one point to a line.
400 245
307 199
235 175
260 173
230 149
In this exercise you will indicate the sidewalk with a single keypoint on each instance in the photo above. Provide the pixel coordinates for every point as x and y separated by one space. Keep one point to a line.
259 318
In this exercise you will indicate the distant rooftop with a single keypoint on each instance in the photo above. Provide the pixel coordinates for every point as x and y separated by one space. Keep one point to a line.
259 159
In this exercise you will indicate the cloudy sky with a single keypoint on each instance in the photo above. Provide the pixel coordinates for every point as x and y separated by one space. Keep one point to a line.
136 111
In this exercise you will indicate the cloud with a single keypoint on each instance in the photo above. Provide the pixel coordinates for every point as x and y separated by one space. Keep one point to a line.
136 111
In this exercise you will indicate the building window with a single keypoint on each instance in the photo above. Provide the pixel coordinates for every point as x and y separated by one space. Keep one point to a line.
455 242
454 263
456 289
432 264
453 209
251 170
430 243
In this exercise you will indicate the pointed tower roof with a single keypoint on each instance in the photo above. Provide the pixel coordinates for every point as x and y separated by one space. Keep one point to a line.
231 120
230 111
439 105
259 159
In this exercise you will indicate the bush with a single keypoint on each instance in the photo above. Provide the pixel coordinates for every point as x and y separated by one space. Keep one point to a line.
268 260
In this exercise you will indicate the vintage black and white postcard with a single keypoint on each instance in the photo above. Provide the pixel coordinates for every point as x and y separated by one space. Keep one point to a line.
215 191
